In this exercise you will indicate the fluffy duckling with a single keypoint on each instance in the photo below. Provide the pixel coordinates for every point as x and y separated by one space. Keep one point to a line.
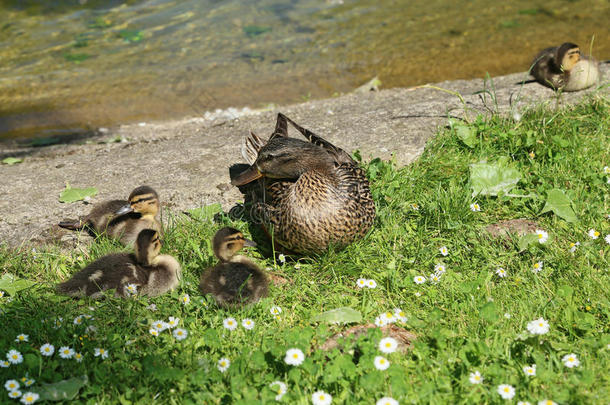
236 280
564 68
122 220
151 273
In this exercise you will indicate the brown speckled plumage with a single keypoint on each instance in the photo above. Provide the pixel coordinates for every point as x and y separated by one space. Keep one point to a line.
316 195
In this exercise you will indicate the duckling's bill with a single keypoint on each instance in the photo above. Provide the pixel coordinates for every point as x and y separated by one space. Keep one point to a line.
125 209
247 176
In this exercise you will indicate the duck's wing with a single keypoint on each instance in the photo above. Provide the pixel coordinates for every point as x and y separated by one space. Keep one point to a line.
250 147
338 154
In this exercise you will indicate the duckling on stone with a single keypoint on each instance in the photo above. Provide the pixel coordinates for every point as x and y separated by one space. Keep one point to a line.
151 274
120 219
314 194
236 280
565 68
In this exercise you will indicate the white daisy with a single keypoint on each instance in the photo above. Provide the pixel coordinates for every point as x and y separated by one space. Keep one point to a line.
159 326
78 357
444 251
379 322
530 370
223 364
4 364
419 279
247 323
501 272
153 332
415 206
185 299
100 352
474 207
547 402
387 317
524 403
388 345
400 315
507 315
281 258
506 391
66 352
538 326
14 394
418 294
152 307
1 294
386 401
297 266
570 360
606 170
476 377
27 381
230 323
78 320
11 385
14 357
294 357
371 283
22 338
58 322
440 269
607 239
434 278
180 334
131 289
321 398
593 233
543 236
574 246
172 322
361 282
381 363
280 388
537 267
275 310
29 397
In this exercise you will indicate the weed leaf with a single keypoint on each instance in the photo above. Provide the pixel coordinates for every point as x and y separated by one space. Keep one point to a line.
467 134
13 284
558 202
339 315
62 390
70 194
11 161
492 178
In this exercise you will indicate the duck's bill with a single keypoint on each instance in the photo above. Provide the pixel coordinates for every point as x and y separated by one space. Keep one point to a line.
247 176
250 243
125 209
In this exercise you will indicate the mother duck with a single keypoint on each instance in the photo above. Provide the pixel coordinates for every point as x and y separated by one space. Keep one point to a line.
315 195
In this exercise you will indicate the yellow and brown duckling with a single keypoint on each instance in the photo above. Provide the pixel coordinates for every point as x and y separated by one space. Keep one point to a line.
236 280
120 219
143 272
565 68
315 195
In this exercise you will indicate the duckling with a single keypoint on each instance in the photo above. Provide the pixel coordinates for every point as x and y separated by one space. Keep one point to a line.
315 194
122 220
151 273
236 280
564 68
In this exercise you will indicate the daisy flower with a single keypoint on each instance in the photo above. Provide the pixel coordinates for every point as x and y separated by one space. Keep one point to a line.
387 317
27 381
230 323
321 398
14 357
474 207
593 233
100 352
538 326
78 357
4 364
606 169
607 239
547 402
476 377
1 294
570 360
530 371
439 269
388 345
11 385
185 299
537 267
180 334
280 388
379 322
381 363
415 207
294 357
371 283
574 246
66 352
543 236
361 282
434 278
524 403
501 272
247 323
444 251
417 294
223 364
58 322
22 338
153 332
297 266
386 401
419 279
506 391
159 326
14 394
29 397
131 289
78 320
282 258
172 322
400 315
275 310
507 315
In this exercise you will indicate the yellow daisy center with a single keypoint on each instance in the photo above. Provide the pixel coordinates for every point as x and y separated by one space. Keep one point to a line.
596 233
296 356
476 377
506 389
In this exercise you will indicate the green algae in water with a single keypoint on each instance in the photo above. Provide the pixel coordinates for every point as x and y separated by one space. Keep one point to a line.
130 35
252 31
76 57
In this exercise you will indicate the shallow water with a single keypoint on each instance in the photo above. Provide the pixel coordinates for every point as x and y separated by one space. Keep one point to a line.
71 65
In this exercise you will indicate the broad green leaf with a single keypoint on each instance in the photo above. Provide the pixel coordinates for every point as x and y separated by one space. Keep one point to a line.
339 315
526 240
13 284
11 161
205 213
493 178
62 390
561 205
76 194
467 134
489 312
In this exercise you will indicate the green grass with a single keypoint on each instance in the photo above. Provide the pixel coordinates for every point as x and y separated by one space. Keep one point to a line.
461 322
